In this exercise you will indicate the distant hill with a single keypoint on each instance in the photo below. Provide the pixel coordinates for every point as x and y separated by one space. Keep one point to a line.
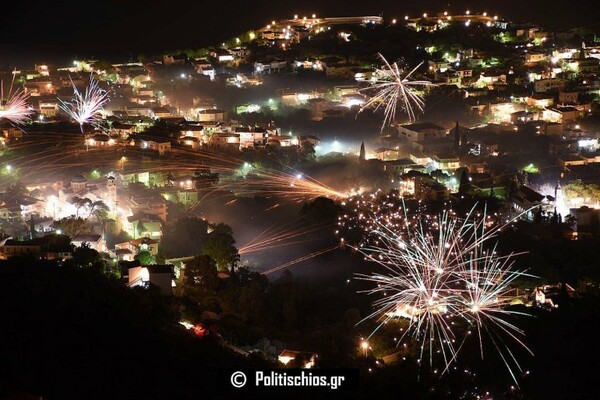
35 31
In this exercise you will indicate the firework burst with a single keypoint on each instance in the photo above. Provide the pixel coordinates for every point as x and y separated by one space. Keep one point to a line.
14 107
443 277
391 88
86 107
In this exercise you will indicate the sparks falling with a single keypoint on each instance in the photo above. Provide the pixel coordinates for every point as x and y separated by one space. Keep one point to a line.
390 89
441 273
86 107
14 107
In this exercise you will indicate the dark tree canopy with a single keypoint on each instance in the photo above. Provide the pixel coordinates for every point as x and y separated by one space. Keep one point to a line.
185 237
202 272
72 333
220 246
321 210
85 256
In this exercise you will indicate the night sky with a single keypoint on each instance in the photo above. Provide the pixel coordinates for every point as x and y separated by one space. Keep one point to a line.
36 30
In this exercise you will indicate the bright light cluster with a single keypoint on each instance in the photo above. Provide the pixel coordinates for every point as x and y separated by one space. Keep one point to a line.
391 89
14 107
86 107
444 275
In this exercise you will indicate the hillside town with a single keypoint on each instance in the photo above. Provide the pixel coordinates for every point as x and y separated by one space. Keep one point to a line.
207 172
527 97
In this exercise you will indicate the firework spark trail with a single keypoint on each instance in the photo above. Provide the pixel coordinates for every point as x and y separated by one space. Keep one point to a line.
285 235
14 107
299 260
292 185
442 270
263 181
286 184
86 107
488 280
391 90
50 162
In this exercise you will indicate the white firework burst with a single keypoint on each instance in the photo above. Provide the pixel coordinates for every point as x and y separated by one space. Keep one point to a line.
14 107
440 274
487 279
86 107
391 88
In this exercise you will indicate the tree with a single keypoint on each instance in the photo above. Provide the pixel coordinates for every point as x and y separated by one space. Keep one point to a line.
589 193
144 59
85 256
321 210
13 228
80 202
71 226
53 310
16 190
351 317
308 152
185 237
59 243
220 246
363 155
465 182
300 361
114 238
202 272
102 65
570 220
145 257
98 209
246 276
537 218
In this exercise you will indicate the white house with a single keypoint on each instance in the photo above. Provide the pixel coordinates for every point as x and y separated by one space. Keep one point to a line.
560 114
156 275
162 145
446 162
421 131
95 242
250 137
549 85
212 115
225 140
535 57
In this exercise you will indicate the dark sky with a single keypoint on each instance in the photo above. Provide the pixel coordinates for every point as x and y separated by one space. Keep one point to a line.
34 29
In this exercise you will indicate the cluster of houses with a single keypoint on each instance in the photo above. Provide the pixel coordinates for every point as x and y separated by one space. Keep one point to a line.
444 163
137 104
32 213
218 135
548 82
549 85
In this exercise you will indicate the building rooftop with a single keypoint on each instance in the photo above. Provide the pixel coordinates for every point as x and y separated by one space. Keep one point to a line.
422 126
90 238
79 179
